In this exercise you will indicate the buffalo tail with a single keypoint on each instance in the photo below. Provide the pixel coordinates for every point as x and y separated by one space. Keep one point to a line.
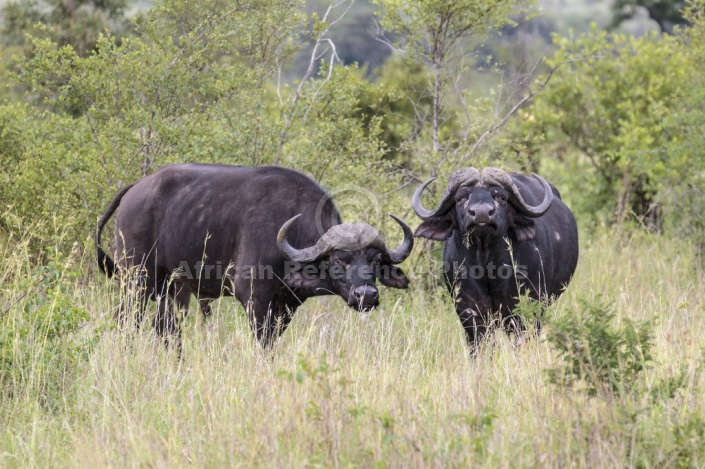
105 263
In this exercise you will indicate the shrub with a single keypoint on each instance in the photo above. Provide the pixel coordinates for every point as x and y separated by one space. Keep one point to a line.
39 319
604 358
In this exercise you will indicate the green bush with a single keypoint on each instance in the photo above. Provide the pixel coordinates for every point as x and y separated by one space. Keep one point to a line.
189 88
603 117
599 356
42 336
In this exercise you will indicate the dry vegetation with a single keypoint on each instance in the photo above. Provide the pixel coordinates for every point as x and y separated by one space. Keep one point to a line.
394 388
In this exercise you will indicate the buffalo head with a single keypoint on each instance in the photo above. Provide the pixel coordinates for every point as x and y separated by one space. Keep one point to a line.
347 260
481 204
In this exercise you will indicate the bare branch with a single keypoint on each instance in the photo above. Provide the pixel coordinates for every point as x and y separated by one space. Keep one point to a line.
379 36
206 30
342 15
313 59
333 58
502 122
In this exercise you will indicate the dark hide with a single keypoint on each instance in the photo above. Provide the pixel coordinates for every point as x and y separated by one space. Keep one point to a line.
219 224
482 233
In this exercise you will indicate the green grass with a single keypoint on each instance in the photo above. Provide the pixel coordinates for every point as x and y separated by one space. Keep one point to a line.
394 388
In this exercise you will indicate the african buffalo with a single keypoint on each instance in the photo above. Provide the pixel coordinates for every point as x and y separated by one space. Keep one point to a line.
270 236
505 235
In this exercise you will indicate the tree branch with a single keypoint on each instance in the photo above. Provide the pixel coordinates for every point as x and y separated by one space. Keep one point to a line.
320 39
502 122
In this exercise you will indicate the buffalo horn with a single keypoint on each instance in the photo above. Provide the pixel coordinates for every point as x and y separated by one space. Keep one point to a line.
402 252
465 176
497 176
300 255
348 236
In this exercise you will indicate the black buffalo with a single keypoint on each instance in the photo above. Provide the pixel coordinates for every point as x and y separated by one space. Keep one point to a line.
270 236
505 235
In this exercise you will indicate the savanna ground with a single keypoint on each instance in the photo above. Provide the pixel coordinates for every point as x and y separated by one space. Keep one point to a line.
393 388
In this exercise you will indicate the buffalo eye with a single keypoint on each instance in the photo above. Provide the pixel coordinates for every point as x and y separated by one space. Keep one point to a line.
340 259
499 197
462 195
337 268
376 259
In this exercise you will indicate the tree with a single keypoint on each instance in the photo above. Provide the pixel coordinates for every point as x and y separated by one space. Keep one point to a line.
685 199
437 35
195 85
397 96
604 115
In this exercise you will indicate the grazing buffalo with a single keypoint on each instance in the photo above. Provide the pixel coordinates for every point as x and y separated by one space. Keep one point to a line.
505 235
270 236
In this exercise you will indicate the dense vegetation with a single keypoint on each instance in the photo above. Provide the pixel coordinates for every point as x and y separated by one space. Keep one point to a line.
99 94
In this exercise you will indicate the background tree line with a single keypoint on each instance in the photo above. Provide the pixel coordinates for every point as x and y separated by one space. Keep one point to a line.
381 94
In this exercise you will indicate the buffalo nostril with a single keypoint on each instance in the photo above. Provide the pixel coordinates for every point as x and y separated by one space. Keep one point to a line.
481 212
366 294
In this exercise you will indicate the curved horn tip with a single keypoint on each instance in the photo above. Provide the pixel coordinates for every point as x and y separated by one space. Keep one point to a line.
419 209
294 254
545 203
284 228
419 190
398 255
399 220
404 225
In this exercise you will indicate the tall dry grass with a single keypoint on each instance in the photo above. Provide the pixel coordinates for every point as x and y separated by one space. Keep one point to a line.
393 388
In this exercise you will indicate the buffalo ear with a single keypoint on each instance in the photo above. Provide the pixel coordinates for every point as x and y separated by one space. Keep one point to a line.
437 228
393 277
524 228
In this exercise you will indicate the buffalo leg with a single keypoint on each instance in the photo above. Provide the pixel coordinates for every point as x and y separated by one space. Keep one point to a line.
134 297
256 299
284 307
283 313
183 300
517 324
269 309
514 324
266 318
474 314
475 327
263 322
205 306
166 322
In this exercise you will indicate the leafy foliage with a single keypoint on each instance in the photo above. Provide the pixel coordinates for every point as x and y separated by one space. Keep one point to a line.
194 86
685 198
604 113
40 326
397 96
437 36
78 23
598 355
